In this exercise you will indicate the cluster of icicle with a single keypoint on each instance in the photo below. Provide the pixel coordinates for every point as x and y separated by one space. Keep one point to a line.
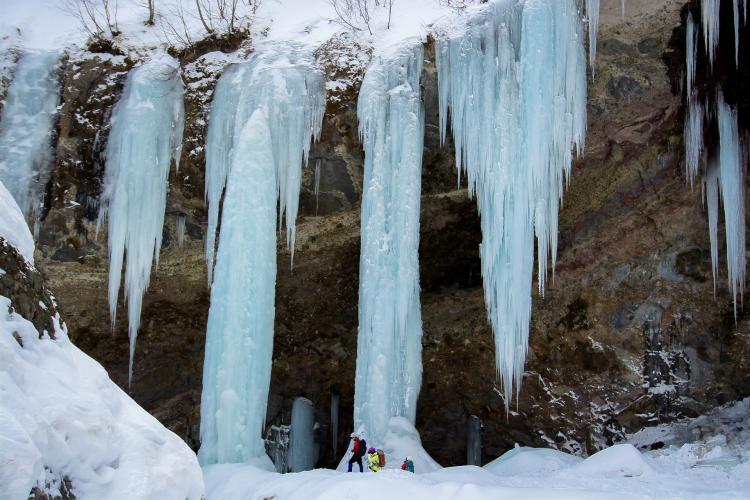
26 130
513 82
724 168
145 136
389 342
264 115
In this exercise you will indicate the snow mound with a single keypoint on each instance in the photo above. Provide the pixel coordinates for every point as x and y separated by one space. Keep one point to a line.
617 460
401 440
530 461
13 227
61 416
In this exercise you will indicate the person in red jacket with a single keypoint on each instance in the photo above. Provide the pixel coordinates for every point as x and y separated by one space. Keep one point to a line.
358 451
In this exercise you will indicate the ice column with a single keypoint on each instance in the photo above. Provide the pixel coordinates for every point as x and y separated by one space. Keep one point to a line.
514 80
26 130
710 19
389 343
265 113
732 186
474 441
181 219
146 135
592 12
302 438
281 80
335 398
316 186
693 127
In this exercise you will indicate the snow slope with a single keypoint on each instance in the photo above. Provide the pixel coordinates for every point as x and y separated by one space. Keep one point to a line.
61 416
13 228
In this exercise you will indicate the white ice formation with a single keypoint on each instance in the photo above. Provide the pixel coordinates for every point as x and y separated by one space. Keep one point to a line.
724 167
145 137
389 342
26 130
281 80
13 227
592 13
518 75
180 228
265 113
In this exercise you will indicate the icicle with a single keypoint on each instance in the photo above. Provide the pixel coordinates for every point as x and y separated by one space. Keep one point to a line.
181 219
622 6
146 136
693 138
281 80
474 441
711 188
710 20
335 422
732 183
26 130
389 347
592 12
515 84
317 184
691 52
736 12
302 439
265 113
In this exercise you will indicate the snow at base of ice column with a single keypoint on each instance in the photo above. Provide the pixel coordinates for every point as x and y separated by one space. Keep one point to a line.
146 136
26 130
519 80
389 345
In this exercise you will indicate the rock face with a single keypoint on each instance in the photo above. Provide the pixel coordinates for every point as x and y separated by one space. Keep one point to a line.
629 334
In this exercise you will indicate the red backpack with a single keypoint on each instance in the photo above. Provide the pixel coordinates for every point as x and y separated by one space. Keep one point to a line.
381 456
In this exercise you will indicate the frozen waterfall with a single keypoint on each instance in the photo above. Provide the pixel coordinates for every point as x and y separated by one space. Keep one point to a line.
26 130
518 74
389 342
146 135
265 112
282 81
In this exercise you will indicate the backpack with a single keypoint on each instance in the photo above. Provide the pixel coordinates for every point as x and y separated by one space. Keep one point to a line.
381 456
362 448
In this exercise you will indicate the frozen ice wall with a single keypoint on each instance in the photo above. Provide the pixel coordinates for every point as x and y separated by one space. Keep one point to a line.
265 113
514 82
146 135
302 438
722 167
26 130
281 80
389 345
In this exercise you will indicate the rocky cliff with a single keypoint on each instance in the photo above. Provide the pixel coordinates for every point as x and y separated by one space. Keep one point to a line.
629 334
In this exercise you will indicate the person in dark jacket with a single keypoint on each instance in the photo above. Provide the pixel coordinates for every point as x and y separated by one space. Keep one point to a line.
408 465
358 451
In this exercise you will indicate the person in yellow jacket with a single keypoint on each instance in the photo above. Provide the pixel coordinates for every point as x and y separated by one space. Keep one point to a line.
374 459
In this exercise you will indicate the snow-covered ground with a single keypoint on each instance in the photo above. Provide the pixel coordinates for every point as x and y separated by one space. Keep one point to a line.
707 457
